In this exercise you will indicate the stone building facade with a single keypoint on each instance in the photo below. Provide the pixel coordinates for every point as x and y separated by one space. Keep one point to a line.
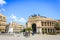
2 22
40 23
16 27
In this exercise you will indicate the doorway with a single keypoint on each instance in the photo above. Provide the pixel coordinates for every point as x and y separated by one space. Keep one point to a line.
34 28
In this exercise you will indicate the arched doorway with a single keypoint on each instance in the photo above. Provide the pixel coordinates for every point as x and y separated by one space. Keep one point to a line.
34 28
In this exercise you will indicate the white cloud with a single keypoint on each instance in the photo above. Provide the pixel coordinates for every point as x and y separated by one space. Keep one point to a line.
17 19
2 2
22 20
13 17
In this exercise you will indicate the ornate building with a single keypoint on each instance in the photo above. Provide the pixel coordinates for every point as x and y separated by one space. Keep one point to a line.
16 27
2 22
40 23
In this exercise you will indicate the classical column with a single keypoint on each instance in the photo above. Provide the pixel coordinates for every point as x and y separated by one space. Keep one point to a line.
44 30
47 30
37 30
49 23
45 23
40 30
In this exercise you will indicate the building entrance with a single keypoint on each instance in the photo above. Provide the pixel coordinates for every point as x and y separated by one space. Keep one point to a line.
34 28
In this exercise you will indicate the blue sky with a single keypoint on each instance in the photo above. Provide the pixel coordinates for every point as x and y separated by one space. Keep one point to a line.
20 10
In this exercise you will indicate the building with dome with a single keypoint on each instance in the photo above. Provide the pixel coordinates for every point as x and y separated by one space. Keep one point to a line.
39 23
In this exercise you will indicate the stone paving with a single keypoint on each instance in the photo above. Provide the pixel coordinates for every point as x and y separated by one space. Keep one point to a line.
35 37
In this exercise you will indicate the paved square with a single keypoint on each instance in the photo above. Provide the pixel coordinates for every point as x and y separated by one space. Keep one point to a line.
35 37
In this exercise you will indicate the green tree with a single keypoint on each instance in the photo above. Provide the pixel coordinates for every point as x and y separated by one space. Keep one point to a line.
7 26
29 29
57 26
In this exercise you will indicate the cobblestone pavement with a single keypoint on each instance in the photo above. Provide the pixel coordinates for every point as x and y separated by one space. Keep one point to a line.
35 37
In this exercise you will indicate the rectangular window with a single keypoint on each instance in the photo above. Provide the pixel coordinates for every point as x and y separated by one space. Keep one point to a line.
45 23
48 23
0 17
42 23
4 18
